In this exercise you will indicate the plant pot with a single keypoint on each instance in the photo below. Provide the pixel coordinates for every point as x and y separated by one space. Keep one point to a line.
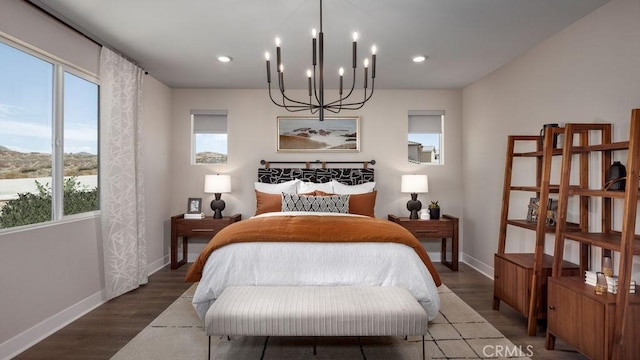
434 213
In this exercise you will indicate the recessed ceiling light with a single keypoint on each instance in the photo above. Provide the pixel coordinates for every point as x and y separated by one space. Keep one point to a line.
419 58
224 58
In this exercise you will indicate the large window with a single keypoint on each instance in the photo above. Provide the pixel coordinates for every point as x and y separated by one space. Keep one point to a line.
425 136
48 138
209 137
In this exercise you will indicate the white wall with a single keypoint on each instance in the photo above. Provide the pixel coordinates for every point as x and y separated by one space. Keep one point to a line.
53 273
252 137
587 73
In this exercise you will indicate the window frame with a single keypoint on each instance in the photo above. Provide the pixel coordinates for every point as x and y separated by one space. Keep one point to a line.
429 113
60 67
215 114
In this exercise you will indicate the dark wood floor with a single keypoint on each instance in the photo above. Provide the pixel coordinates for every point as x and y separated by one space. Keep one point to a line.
103 331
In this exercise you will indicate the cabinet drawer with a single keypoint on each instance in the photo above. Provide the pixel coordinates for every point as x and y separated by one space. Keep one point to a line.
200 228
429 228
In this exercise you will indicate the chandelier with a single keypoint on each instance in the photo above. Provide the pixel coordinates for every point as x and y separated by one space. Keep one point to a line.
317 103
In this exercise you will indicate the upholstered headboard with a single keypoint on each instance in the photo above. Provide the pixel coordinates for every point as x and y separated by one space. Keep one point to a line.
347 176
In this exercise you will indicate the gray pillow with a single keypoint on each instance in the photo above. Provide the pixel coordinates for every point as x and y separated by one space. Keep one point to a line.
334 203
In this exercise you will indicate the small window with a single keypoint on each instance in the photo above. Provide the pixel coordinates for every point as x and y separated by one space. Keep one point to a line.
209 137
425 137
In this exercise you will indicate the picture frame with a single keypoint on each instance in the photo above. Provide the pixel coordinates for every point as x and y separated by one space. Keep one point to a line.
308 134
194 206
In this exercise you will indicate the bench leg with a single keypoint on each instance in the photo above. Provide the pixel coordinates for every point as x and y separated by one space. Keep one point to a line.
264 349
423 352
209 356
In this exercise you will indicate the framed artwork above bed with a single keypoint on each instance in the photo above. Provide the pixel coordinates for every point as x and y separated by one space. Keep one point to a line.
308 134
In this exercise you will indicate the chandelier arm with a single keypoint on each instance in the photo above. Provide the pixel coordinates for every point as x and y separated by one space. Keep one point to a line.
284 105
353 85
360 104
299 103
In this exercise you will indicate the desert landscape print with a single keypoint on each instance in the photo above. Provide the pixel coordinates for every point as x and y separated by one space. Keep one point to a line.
310 134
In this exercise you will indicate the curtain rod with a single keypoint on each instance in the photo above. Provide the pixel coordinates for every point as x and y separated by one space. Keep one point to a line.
58 18
323 163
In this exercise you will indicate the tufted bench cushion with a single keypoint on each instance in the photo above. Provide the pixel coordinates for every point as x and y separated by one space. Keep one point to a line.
316 311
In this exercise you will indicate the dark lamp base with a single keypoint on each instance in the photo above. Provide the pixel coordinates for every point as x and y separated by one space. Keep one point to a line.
414 205
217 205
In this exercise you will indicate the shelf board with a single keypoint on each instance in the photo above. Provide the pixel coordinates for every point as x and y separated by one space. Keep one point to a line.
602 193
578 285
553 189
525 260
536 153
609 241
621 145
532 226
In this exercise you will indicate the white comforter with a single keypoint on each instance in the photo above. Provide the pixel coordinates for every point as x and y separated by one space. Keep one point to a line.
376 264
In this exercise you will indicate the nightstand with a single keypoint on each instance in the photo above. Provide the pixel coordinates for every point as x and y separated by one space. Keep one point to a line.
444 228
206 228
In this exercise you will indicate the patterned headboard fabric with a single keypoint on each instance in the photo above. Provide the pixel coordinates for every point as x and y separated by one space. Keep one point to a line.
347 176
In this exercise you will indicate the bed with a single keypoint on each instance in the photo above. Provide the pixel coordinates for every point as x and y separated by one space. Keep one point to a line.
302 236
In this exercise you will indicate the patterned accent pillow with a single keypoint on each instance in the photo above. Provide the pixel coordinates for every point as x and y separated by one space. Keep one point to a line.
334 204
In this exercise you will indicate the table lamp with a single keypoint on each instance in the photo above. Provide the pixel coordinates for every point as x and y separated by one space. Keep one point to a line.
414 184
217 184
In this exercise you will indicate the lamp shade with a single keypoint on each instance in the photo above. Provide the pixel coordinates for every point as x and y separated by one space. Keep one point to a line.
217 184
414 184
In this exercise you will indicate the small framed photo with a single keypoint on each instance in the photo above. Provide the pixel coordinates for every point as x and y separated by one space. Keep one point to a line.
194 206
308 134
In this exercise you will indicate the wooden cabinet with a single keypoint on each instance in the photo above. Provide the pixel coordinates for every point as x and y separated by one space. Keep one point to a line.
608 326
203 228
586 320
444 228
512 279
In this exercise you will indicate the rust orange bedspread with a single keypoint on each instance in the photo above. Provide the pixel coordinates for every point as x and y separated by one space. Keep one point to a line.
311 228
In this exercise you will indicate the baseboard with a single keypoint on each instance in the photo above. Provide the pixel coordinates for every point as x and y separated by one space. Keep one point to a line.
478 265
37 333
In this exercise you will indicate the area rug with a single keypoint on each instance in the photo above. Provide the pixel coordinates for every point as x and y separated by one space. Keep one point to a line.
458 332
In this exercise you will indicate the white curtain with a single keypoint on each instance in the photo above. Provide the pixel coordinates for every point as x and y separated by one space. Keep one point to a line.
121 180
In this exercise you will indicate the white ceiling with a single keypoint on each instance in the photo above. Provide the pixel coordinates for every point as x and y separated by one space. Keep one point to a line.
177 42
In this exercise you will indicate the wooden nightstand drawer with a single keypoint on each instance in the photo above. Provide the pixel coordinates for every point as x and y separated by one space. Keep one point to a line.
429 228
207 227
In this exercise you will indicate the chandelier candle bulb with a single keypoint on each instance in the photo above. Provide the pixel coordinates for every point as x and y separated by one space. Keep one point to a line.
373 61
355 49
278 58
366 72
266 56
313 44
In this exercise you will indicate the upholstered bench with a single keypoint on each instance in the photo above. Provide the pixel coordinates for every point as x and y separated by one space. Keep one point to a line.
316 311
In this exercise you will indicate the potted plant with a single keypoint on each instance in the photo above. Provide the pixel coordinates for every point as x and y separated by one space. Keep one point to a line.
434 210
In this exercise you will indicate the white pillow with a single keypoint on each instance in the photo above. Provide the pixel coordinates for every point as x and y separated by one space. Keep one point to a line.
307 187
340 188
289 187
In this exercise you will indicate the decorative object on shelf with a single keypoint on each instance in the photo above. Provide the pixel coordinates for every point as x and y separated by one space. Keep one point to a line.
434 210
555 136
607 265
414 184
194 206
306 134
217 184
534 210
601 283
616 177
316 102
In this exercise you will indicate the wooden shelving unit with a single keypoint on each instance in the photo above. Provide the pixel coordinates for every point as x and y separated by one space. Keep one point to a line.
520 278
600 326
